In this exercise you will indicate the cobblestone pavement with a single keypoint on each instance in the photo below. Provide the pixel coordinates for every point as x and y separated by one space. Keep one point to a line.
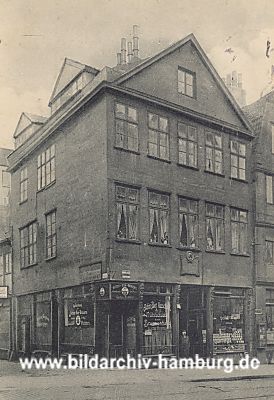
134 384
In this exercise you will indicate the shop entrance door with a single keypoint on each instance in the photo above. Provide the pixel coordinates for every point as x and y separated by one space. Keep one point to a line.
197 334
122 329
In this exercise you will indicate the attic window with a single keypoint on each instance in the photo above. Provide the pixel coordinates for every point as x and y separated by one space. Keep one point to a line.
186 82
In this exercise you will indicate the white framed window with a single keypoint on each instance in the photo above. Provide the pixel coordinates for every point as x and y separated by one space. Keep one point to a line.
214 152
158 137
24 184
51 236
158 218
187 145
269 188
215 230
188 222
237 160
127 212
238 231
28 245
126 127
46 167
186 82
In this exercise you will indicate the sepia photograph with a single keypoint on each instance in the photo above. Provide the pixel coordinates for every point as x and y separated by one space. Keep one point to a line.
136 200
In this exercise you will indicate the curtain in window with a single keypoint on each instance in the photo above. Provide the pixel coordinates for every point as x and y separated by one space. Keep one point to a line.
121 221
132 222
193 230
164 226
219 234
234 237
209 234
154 226
209 159
183 229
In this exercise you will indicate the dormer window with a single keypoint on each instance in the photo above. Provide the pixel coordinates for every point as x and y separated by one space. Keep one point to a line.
186 82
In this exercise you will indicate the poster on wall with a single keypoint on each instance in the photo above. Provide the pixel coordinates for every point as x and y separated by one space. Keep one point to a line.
79 313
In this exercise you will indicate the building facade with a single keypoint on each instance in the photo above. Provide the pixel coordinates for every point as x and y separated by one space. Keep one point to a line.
261 115
129 232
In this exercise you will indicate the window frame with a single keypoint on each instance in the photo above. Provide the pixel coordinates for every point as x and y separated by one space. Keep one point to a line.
158 132
186 73
189 213
29 245
239 238
126 123
50 237
215 218
42 168
159 242
269 191
214 149
127 204
187 141
238 157
24 184
272 251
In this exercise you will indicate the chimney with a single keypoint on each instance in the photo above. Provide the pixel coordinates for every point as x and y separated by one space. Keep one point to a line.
135 42
234 79
129 51
123 51
228 80
240 80
119 59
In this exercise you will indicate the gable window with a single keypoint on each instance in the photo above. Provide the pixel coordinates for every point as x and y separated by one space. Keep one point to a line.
269 250
51 234
214 152
28 245
127 211
126 127
237 159
5 179
158 218
46 167
187 145
214 227
188 222
24 184
269 189
186 82
238 231
158 140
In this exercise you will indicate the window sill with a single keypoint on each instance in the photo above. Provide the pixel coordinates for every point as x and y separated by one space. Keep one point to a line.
128 241
238 180
240 254
159 244
50 258
188 166
127 150
215 251
214 173
29 266
186 95
158 158
46 187
187 248
22 202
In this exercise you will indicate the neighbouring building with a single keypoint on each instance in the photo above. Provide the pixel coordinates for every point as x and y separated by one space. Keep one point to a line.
261 115
129 232
234 83
5 255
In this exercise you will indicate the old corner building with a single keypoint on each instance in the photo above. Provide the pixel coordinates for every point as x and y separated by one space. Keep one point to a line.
132 212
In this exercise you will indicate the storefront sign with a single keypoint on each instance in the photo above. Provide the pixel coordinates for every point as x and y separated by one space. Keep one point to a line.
155 314
3 292
124 291
91 272
102 291
78 313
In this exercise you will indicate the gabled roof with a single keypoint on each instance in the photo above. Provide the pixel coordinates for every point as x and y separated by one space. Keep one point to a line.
69 70
255 111
4 153
25 120
190 38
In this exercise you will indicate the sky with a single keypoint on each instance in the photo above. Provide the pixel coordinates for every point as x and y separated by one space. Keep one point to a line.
36 36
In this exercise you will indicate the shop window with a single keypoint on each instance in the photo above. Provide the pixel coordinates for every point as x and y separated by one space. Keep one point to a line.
239 231
214 152
214 227
237 159
269 189
186 82
269 250
28 245
24 184
187 145
228 322
158 139
158 218
43 320
188 222
126 127
270 316
51 239
127 212
46 167
157 324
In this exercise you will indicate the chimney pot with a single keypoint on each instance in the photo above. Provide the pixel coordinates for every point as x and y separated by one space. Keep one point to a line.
129 51
119 59
135 42
123 51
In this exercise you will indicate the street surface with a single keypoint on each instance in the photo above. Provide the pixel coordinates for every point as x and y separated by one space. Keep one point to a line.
134 384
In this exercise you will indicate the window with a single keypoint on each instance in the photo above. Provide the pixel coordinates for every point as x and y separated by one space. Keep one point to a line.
158 141
187 145
126 127
46 167
5 179
51 234
214 227
8 263
158 218
127 209
186 82
269 247
28 245
24 185
188 222
269 189
272 136
239 231
237 159
214 152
